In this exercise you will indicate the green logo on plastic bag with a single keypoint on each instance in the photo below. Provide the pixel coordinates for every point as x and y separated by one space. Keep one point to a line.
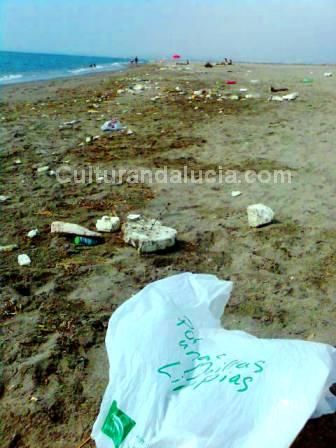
117 425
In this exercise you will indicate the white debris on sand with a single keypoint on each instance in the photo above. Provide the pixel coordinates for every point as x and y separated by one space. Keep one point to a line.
133 217
24 260
8 248
253 96
112 125
148 235
108 224
42 169
68 228
259 215
290 97
235 194
33 233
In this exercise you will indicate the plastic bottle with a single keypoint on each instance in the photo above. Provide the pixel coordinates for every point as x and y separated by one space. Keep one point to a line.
85 241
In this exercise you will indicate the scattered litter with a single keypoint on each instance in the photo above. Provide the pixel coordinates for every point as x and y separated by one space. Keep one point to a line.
235 194
88 140
234 97
120 91
214 387
138 88
307 80
108 224
231 82
133 217
289 97
8 248
68 228
155 98
130 132
276 98
3 198
42 169
243 89
280 89
112 125
255 81
259 215
328 74
24 260
253 96
86 241
33 233
18 162
148 235
69 124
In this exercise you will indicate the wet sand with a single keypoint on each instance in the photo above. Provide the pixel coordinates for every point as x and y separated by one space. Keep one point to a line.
54 313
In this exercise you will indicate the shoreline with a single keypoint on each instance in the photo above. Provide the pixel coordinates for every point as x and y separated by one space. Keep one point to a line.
197 63
66 78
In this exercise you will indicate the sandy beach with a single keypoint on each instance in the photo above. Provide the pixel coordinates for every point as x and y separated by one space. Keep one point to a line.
54 313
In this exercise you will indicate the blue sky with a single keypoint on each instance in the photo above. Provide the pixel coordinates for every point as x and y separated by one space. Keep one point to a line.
253 30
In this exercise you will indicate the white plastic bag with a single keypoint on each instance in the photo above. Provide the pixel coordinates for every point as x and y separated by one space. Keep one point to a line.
178 380
112 125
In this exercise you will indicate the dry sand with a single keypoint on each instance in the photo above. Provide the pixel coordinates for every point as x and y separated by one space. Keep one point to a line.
54 313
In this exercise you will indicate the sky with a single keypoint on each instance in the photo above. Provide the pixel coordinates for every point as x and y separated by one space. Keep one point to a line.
247 30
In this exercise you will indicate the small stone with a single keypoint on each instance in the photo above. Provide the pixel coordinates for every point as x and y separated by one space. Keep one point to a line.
108 224
33 233
235 194
3 198
259 215
24 260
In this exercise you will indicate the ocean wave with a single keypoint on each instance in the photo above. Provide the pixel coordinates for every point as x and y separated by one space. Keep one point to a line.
78 71
7 78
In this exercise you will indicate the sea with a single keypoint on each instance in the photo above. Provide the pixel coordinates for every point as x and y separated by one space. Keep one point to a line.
26 67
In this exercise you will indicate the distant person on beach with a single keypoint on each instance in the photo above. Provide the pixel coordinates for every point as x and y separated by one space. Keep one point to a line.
136 60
